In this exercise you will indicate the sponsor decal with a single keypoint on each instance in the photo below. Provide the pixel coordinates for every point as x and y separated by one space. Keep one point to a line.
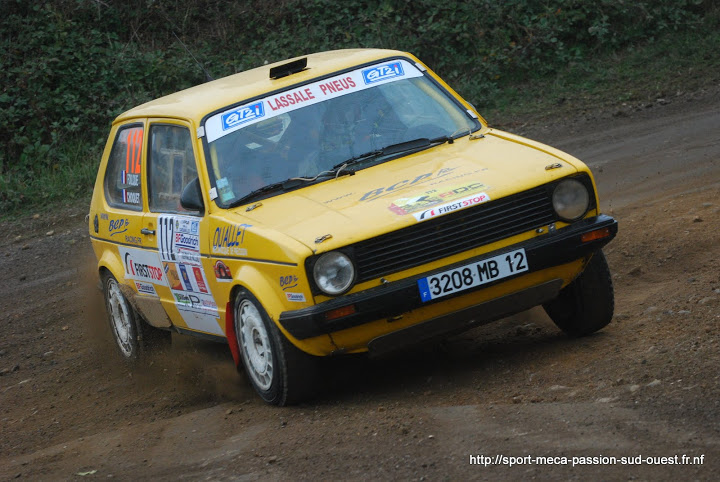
104 216
185 278
187 241
141 265
463 203
172 276
187 226
145 288
382 72
226 122
242 115
118 226
143 270
222 272
292 98
199 279
195 302
405 183
133 239
337 85
433 197
227 239
182 277
199 312
129 197
287 282
295 297
178 239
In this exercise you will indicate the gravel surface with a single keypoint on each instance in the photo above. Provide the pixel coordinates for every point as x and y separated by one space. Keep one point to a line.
500 396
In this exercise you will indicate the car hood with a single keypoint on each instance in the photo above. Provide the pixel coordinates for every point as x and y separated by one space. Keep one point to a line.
411 189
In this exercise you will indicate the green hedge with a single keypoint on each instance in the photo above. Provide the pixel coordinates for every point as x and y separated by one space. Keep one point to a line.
68 67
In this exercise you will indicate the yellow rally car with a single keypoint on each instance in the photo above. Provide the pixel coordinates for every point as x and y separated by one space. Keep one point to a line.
342 202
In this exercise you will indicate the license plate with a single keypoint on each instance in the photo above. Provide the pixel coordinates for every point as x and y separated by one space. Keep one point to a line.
472 275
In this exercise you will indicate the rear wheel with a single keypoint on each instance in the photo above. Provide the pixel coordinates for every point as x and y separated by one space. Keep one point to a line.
280 373
587 304
132 336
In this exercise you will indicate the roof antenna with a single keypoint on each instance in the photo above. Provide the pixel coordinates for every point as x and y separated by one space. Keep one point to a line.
208 77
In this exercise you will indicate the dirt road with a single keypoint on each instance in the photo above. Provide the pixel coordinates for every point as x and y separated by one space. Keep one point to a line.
648 385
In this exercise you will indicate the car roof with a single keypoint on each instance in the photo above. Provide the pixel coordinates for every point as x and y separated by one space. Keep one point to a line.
196 102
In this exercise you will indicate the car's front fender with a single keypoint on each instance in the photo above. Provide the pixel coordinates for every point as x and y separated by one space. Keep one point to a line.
265 288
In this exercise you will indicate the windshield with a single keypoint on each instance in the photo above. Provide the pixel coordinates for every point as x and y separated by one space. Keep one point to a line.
305 131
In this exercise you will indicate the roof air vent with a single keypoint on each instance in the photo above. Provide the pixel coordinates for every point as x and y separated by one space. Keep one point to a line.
288 69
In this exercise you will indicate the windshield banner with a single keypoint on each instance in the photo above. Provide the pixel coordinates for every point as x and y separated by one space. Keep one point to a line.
236 118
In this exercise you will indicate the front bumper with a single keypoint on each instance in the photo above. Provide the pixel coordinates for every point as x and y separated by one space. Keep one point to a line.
393 299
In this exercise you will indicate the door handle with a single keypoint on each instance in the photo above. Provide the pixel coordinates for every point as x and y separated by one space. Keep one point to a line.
149 232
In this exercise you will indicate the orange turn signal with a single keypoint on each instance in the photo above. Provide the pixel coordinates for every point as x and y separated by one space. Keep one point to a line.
340 312
594 235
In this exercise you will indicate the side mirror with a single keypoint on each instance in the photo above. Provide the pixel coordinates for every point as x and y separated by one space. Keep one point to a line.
191 198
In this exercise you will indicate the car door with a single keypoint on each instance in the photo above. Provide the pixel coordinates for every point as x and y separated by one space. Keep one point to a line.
188 299
118 222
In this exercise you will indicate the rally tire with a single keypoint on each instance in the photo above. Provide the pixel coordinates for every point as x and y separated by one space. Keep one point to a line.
587 304
122 319
132 336
278 371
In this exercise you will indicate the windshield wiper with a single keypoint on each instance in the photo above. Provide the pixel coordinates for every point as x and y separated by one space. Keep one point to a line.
411 145
276 186
287 185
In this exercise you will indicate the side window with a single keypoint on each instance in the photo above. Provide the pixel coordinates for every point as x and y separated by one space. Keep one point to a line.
171 167
123 174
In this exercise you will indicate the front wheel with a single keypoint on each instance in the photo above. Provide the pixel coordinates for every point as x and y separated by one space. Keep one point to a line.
280 373
587 304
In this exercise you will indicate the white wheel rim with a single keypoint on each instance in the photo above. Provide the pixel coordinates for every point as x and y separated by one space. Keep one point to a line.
254 344
120 318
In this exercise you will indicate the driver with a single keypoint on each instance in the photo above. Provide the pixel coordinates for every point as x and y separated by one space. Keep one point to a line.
299 146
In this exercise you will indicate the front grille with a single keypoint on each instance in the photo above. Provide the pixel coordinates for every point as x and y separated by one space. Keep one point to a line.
454 233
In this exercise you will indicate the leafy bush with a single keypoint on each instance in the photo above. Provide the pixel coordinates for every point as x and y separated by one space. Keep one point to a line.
68 67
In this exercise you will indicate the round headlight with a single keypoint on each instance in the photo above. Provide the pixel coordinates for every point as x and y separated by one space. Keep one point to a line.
570 199
334 273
